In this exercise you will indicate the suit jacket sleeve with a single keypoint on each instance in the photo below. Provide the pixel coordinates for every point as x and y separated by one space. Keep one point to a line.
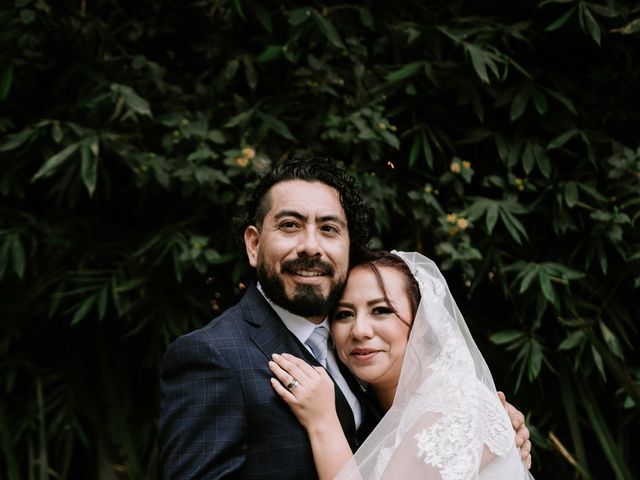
202 431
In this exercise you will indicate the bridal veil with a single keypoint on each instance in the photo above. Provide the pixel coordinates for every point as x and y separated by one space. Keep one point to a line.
446 422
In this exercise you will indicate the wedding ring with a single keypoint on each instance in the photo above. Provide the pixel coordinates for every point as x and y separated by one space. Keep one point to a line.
292 384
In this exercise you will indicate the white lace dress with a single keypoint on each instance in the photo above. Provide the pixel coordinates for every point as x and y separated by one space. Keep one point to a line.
444 446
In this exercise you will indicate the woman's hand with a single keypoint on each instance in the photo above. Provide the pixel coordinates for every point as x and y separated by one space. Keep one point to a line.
309 391
522 432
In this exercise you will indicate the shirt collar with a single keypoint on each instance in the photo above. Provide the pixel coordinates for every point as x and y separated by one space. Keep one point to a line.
299 326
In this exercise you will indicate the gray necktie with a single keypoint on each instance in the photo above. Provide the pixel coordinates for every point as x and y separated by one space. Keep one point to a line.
317 341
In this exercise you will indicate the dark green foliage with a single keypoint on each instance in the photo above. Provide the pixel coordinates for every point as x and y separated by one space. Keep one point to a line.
499 138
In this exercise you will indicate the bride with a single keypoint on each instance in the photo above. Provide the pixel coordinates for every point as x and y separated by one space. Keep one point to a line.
399 331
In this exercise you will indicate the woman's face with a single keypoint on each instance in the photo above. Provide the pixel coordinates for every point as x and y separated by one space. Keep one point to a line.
370 335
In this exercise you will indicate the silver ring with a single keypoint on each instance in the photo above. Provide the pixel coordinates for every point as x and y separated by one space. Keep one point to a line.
292 384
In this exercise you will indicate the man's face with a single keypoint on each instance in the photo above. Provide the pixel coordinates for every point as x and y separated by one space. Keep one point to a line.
302 250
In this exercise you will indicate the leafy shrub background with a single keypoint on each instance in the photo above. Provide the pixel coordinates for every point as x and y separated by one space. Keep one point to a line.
499 138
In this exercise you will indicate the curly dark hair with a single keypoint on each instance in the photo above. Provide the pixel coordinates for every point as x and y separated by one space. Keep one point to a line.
313 169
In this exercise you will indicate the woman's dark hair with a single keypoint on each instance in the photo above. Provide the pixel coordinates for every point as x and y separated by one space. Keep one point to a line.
313 169
376 259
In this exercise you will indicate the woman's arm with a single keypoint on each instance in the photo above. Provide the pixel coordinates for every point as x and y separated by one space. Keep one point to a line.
312 400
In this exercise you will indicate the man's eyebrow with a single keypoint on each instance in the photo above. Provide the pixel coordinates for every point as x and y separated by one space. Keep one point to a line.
333 218
290 213
300 216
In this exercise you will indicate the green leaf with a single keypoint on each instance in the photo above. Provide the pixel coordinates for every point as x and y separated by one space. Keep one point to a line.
18 257
103 296
426 150
528 158
539 101
571 194
238 5
239 119
570 408
480 60
328 29
415 150
530 274
563 138
506 336
492 217
16 139
366 17
263 16
250 73
542 159
519 104
564 100
592 25
82 311
54 162
132 100
89 167
605 438
560 21
56 132
270 53
216 136
611 340
573 340
547 289
535 360
278 126
515 228
27 16
6 80
299 16
404 72
630 28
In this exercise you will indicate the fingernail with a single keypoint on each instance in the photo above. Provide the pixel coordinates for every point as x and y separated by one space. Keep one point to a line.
275 355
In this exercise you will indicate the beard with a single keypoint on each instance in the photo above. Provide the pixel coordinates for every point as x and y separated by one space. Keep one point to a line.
307 300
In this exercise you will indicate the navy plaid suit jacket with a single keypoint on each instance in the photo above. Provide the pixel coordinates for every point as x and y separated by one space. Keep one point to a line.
220 417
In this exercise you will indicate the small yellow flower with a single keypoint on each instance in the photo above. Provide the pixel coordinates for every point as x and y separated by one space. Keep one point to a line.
455 167
466 165
428 188
453 231
248 153
176 134
382 126
393 128
519 183
463 223
452 218
242 162
184 122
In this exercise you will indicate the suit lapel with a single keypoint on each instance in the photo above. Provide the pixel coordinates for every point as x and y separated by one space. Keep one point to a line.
272 336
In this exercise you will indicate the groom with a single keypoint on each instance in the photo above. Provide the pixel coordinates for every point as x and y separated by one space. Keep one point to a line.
220 417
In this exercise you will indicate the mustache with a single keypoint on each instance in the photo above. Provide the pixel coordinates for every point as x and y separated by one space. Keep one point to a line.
291 266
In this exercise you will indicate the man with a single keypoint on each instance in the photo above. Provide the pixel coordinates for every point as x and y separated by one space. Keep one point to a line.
220 417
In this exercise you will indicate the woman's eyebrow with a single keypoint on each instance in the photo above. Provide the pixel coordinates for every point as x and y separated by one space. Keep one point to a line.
377 300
